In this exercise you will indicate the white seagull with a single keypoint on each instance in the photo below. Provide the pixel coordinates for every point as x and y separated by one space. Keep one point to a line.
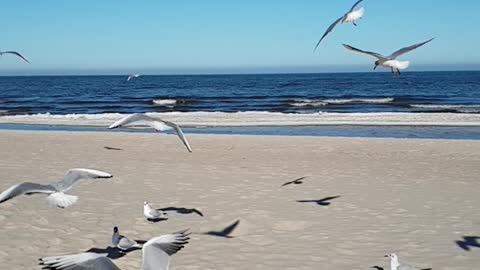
56 191
351 16
15 53
390 61
155 123
156 256
396 265
123 242
134 76
153 214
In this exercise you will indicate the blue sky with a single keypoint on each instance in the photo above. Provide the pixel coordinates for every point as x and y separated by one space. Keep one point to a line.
162 37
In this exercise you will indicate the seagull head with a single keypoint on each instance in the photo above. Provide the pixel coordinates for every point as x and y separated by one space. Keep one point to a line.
391 256
145 203
115 229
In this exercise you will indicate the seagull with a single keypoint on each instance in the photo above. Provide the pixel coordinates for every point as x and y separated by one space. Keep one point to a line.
182 210
390 61
155 123
395 265
351 16
225 232
297 181
153 214
56 191
15 53
322 202
123 242
156 255
134 76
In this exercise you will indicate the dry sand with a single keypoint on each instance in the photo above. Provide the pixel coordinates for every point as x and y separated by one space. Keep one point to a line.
413 197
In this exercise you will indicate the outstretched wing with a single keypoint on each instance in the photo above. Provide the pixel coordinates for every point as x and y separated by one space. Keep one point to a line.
355 5
73 175
130 119
330 29
157 251
373 54
25 188
409 48
180 134
82 261
19 55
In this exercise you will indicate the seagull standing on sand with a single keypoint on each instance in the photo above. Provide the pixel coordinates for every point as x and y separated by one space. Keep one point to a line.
153 214
123 242
155 123
396 265
156 256
390 61
56 191
15 53
351 16
134 76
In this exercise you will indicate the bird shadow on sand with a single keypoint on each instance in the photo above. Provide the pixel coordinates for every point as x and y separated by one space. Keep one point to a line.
322 202
468 242
112 148
297 181
377 267
181 210
225 233
115 253
156 220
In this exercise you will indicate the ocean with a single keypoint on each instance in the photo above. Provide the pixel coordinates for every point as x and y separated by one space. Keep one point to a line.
430 96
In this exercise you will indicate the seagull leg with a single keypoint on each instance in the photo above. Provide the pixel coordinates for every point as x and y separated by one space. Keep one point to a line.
399 73
393 72
354 23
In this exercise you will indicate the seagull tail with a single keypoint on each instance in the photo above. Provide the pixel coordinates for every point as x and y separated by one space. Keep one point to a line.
403 64
61 200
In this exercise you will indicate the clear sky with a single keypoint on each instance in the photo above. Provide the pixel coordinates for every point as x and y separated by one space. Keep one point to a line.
219 36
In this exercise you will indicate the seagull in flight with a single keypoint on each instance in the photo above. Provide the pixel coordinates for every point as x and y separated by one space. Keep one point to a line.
351 16
396 265
55 191
155 123
123 242
15 53
156 256
390 61
134 76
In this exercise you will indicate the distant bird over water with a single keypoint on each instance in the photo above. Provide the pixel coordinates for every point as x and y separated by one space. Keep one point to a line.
134 76
55 191
351 16
389 61
15 53
155 123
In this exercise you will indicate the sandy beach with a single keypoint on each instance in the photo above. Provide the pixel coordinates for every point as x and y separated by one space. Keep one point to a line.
412 197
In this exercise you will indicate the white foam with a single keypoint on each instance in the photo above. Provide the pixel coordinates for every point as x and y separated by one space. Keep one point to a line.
164 102
307 103
444 106
359 100
219 119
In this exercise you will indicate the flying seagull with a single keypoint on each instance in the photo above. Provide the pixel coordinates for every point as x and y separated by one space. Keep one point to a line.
390 61
123 242
156 256
155 123
322 202
56 191
297 181
153 214
15 53
134 76
225 232
351 16
396 265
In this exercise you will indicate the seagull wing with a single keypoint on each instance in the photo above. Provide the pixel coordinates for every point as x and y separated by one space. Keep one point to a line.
25 188
19 55
73 175
82 261
131 119
407 49
355 5
157 251
330 29
373 54
180 134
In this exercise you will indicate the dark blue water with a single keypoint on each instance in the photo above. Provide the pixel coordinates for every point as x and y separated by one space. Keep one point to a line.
288 93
